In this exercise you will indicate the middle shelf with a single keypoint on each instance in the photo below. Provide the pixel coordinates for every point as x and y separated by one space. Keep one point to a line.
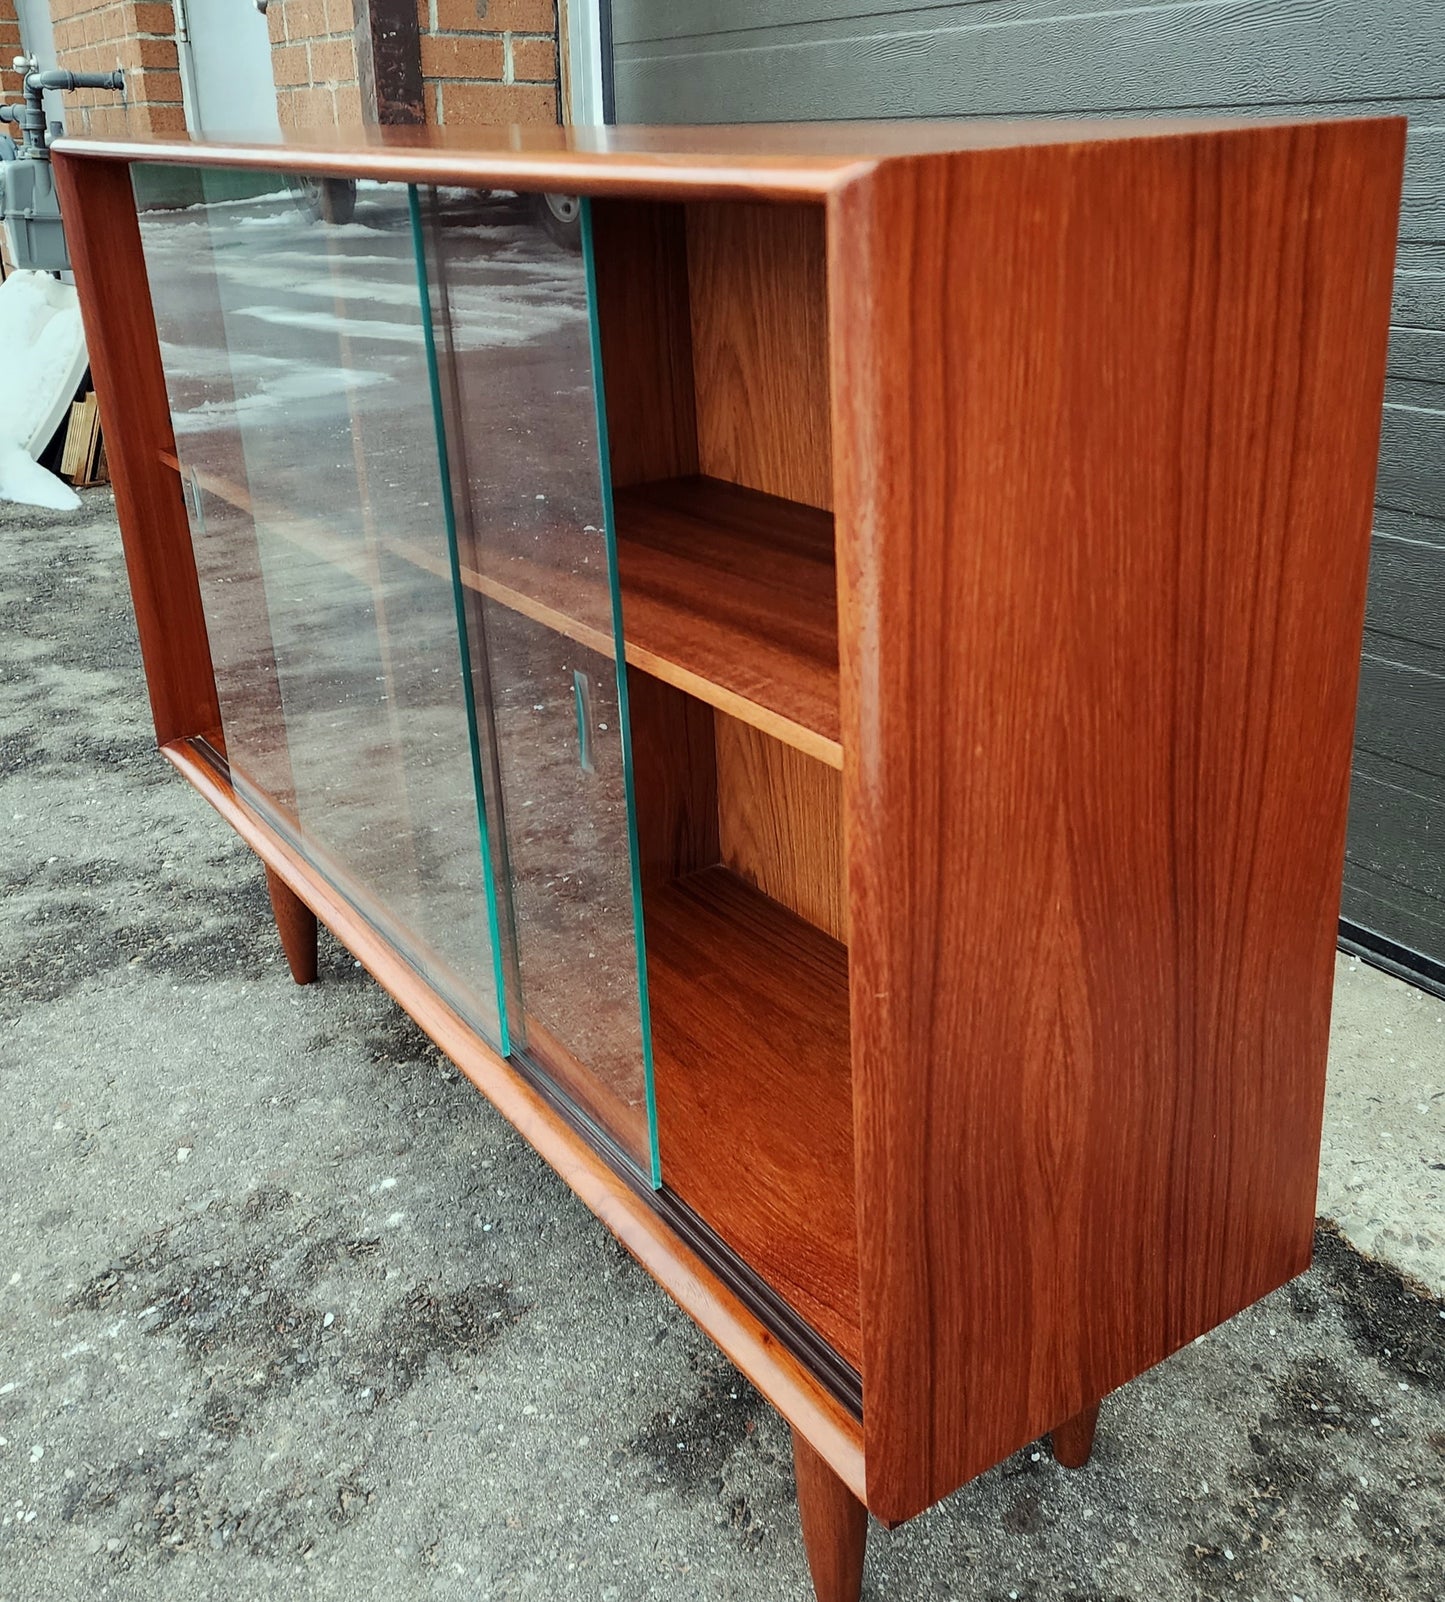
727 593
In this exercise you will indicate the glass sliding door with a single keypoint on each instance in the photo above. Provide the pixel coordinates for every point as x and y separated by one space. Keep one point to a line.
296 359
515 390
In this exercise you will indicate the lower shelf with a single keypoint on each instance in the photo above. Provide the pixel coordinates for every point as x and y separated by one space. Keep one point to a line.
754 1095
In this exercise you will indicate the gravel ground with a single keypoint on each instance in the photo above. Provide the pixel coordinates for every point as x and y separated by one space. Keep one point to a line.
287 1310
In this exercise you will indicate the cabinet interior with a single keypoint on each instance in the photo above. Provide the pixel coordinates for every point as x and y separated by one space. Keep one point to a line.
713 329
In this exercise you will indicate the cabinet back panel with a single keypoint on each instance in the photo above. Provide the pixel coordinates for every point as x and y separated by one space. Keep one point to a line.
674 780
757 277
780 823
640 254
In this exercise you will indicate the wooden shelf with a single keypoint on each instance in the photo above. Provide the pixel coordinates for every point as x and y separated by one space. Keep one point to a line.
727 593
732 596
754 1088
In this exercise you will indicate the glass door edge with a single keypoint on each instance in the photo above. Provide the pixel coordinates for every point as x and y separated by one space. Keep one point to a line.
504 1042
609 531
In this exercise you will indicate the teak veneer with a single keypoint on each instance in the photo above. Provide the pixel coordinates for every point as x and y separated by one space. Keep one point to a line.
940 757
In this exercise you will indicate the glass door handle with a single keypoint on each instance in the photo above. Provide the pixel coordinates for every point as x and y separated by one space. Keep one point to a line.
192 480
582 703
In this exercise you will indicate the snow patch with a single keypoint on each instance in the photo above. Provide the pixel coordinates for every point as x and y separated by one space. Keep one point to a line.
42 354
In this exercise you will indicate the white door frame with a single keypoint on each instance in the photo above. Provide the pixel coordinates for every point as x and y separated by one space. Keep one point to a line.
581 42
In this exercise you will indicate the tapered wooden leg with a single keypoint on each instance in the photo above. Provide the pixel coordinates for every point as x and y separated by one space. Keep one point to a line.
1073 1440
835 1526
296 924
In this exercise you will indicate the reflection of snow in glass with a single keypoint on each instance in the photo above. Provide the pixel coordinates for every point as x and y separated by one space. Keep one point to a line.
322 285
275 394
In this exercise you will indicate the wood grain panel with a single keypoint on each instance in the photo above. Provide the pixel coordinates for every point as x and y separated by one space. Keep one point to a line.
1102 599
754 1106
758 282
640 256
110 277
781 824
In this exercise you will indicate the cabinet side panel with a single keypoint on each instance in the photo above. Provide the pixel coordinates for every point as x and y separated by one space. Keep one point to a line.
110 276
1106 423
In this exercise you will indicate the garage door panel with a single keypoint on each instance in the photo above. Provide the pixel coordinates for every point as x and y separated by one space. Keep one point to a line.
1395 851
1418 355
1396 911
637 20
1420 286
1400 734
1405 616
1412 449
1023 57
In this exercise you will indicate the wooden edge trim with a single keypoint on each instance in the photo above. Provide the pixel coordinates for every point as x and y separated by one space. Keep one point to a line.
636 176
829 1430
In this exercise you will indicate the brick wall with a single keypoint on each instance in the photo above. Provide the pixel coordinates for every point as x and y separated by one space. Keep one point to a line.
313 56
489 60
9 49
138 35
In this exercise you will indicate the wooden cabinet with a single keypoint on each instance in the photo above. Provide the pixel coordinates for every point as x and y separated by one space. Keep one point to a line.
832 705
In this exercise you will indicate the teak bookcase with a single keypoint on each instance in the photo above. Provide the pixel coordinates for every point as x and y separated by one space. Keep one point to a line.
915 574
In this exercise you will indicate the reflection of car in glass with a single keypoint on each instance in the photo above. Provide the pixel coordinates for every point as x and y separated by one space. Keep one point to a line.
333 200
561 216
330 200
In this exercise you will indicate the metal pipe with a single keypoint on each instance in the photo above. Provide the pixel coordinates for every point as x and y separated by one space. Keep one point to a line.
31 115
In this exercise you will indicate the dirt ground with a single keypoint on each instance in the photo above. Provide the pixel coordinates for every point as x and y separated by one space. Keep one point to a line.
287 1311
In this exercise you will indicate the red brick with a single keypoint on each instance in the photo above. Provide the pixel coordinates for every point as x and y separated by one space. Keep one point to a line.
153 18
498 103
166 119
305 19
459 55
348 105
534 60
520 16
340 16
333 61
308 108
289 65
153 86
153 52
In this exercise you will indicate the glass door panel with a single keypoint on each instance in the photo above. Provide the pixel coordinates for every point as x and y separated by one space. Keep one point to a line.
296 359
516 388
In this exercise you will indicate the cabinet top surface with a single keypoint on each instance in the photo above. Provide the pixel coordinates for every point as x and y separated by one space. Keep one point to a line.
785 159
